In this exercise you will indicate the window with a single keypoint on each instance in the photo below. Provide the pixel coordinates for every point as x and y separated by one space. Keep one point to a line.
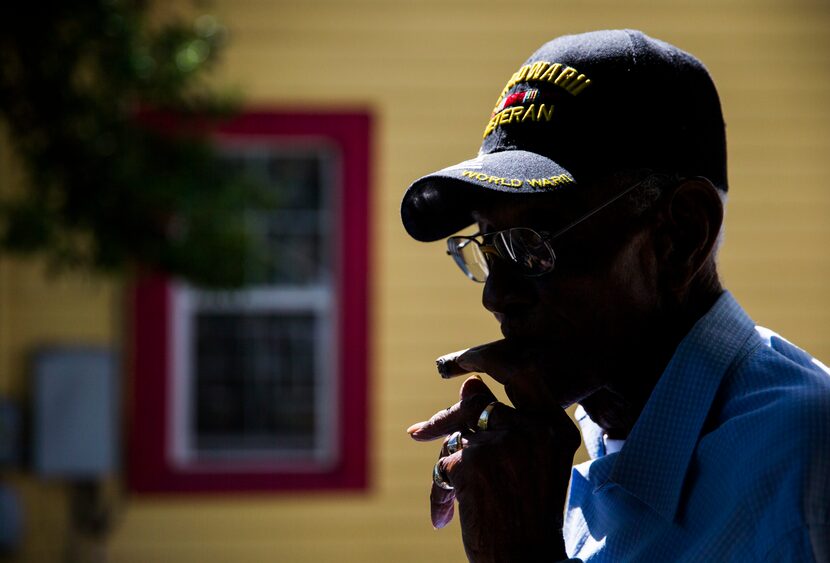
251 389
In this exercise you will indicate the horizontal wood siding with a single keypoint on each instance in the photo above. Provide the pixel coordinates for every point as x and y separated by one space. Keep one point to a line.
430 72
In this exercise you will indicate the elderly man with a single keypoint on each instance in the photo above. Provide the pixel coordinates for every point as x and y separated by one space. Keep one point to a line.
597 195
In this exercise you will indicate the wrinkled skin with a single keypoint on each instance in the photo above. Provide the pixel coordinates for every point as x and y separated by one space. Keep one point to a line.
517 466
598 330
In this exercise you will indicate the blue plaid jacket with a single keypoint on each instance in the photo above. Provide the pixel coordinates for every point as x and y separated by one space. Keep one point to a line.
729 460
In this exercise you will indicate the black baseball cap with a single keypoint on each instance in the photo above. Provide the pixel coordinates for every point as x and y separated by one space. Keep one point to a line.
580 108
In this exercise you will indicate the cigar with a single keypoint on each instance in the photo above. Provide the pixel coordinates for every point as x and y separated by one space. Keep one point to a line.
448 367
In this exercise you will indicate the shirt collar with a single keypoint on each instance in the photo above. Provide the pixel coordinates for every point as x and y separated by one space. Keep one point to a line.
657 452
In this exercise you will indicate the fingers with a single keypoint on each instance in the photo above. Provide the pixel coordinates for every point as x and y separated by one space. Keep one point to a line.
530 393
520 372
490 457
474 385
507 431
496 359
475 395
441 505
500 417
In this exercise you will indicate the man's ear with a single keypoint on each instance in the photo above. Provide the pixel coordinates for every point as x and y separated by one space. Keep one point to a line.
692 216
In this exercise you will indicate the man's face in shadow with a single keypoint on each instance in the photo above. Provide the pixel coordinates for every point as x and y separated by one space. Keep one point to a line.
601 296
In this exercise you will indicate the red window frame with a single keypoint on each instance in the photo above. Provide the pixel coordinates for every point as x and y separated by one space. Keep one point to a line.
149 467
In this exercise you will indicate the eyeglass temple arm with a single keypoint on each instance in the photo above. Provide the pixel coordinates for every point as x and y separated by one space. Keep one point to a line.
595 210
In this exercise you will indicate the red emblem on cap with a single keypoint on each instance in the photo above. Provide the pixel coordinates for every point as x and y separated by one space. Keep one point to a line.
516 98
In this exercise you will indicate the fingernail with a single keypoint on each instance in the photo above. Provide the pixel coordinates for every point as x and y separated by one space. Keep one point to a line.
414 428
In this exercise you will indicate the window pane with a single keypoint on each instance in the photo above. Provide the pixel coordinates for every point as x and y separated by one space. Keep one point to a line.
255 383
296 234
258 374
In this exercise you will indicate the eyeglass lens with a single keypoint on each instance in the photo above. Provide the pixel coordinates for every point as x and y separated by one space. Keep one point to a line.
470 258
524 247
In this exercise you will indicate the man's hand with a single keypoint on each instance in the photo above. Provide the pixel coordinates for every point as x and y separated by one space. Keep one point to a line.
511 479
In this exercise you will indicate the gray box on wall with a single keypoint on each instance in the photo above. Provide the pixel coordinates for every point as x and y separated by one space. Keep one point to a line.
75 411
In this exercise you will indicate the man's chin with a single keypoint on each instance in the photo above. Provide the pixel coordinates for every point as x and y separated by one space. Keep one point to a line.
575 396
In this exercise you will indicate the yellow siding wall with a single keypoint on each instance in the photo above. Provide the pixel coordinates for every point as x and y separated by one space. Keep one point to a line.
430 71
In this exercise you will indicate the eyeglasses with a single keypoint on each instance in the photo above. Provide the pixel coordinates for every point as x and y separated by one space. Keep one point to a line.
527 249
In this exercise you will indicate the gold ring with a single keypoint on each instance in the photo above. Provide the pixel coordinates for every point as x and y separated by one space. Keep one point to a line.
438 477
454 443
484 417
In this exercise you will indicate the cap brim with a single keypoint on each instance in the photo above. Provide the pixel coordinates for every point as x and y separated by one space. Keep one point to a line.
441 203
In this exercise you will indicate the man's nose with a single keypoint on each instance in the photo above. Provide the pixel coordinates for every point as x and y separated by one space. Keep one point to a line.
505 288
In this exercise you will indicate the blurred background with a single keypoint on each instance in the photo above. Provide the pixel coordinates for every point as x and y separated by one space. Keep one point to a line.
171 390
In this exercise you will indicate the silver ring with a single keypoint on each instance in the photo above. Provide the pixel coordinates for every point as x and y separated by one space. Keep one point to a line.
484 417
438 477
454 443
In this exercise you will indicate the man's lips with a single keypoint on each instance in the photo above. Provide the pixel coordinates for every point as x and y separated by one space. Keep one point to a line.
517 326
